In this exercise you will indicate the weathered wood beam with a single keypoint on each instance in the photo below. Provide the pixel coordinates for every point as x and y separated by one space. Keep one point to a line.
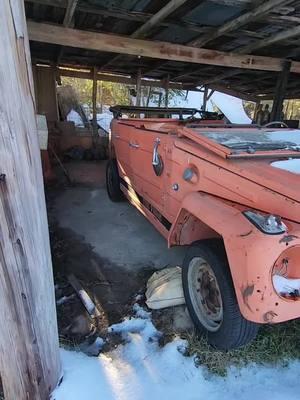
272 39
68 18
29 357
86 74
94 101
280 91
167 85
205 95
138 87
125 15
142 31
70 12
256 12
233 92
53 34
284 35
239 3
162 14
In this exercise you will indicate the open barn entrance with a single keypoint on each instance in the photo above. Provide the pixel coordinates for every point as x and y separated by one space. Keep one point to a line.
218 64
89 57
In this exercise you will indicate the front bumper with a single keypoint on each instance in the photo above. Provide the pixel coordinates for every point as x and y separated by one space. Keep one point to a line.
253 258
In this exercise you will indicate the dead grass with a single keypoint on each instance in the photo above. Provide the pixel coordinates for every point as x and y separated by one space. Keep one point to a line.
274 345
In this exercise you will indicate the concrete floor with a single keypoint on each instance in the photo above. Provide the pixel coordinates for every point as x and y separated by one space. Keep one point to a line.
117 231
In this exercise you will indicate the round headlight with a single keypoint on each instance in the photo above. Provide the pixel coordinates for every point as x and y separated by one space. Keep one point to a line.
286 274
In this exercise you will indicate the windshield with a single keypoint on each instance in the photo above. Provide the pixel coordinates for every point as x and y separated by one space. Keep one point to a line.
252 140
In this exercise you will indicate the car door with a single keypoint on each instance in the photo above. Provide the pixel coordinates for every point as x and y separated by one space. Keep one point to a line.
120 135
149 179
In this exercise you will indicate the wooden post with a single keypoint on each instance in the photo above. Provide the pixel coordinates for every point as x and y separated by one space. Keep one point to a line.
279 94
254 119
29 353
138 87
205 98
94 102
167 82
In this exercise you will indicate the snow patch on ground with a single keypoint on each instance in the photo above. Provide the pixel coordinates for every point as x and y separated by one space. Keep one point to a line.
288 165
140 312
141 370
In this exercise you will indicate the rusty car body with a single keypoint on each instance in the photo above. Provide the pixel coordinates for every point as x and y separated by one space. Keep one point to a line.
230 192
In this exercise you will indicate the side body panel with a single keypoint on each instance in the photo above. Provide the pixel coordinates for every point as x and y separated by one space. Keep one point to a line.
209 205
251 255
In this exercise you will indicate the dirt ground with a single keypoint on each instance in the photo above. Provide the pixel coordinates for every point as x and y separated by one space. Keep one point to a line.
110 248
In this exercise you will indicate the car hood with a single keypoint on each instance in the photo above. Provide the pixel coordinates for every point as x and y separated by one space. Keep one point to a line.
277 176
281 176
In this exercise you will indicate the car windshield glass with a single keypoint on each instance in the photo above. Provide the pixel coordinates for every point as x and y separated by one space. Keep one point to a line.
255 139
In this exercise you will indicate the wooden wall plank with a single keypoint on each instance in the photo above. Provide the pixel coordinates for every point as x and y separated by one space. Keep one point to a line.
29 352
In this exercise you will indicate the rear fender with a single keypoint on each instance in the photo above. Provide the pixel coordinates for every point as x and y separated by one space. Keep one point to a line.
251 254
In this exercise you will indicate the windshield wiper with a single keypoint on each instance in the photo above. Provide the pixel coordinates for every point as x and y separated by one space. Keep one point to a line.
251 147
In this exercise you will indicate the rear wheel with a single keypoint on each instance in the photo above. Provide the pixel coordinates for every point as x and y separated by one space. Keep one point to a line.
211 299
113 181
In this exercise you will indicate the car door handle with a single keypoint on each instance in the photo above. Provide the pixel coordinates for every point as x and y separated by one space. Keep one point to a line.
117 136
155 156
134 145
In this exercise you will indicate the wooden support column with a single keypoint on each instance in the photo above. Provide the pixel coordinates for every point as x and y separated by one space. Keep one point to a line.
29 353
167 83
210 94
138 87
94 101
280 90
205 98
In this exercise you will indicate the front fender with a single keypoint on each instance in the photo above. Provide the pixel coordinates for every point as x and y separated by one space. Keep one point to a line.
251 254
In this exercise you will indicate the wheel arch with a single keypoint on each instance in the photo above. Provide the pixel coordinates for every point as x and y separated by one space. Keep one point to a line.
218 218
202 216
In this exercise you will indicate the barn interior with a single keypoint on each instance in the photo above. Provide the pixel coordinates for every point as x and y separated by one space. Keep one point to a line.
244 48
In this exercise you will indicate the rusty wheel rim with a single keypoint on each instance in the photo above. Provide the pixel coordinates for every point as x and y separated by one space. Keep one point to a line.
205 294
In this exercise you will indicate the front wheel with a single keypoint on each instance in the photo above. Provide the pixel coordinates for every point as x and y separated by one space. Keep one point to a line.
211 299
113 181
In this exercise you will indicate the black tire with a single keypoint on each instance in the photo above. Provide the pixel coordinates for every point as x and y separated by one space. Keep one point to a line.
233 330
113 181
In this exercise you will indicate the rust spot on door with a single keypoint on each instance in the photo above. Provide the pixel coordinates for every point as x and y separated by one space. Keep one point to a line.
246 293
288 238
269 316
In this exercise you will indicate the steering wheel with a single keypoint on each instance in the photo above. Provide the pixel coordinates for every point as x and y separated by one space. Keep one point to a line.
270 124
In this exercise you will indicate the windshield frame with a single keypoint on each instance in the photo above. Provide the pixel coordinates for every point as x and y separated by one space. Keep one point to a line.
226 152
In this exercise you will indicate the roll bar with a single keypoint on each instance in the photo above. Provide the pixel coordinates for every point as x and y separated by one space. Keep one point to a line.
163 111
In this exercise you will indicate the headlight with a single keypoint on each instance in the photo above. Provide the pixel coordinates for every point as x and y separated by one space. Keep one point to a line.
286 273
269 224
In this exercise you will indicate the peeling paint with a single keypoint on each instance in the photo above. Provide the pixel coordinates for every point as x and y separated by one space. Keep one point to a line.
246 234
288 238
269 316
246 293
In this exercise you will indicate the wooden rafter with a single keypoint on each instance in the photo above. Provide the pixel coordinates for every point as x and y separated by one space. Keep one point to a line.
135 16
72 72
68 18
70 10
272 39
156 19
53 34
234 24
256 12
161 15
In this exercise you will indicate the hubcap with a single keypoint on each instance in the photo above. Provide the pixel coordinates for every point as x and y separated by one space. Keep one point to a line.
205 294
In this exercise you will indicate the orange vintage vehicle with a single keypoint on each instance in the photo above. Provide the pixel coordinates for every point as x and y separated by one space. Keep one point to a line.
230 192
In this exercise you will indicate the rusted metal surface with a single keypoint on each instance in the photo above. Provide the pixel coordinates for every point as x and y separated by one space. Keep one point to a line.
212 205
